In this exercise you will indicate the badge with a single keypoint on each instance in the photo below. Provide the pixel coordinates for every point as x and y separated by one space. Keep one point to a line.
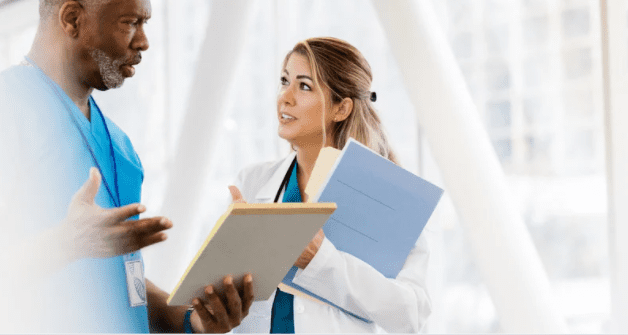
135 283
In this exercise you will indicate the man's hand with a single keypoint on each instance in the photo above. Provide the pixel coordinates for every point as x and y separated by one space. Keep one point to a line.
89 231
216 314
310 251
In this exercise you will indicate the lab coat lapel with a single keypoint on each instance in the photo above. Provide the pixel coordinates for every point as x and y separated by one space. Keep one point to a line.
268 192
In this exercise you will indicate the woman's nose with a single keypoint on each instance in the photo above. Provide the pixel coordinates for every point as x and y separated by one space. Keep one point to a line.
286 96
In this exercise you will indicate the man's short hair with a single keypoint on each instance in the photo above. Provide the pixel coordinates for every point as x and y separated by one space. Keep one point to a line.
50 7
47 7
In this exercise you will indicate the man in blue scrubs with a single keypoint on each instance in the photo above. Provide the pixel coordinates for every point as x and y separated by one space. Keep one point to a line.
81 265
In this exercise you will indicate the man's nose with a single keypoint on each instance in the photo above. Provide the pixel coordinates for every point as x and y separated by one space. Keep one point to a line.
140 41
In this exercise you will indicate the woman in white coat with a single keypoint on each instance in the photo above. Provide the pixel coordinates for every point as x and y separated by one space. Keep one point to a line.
324 100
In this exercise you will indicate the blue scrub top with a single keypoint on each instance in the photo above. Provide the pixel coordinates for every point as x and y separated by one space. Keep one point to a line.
52 163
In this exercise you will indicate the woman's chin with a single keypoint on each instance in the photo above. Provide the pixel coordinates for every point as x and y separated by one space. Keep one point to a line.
286 134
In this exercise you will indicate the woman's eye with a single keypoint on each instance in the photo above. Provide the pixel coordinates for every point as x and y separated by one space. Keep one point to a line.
284 81
305 87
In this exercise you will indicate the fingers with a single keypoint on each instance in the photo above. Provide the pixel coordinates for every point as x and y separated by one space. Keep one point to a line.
320 234
234 304
203 313
148 226
247 295
88 191
122 213
236 195
218 309
143 233
150 240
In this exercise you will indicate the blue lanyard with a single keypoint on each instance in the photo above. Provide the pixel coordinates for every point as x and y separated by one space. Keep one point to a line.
115 198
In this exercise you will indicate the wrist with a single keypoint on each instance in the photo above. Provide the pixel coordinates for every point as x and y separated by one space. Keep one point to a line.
187 321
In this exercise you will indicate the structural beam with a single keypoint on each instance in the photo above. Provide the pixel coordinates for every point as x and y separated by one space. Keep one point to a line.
214 75
502 247
615 72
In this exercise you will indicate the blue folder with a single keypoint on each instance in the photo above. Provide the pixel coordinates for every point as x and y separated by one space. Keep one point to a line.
382 209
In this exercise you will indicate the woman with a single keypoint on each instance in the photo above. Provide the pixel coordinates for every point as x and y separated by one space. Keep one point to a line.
324 100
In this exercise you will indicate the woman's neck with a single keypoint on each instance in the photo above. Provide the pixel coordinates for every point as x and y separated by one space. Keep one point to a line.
306 159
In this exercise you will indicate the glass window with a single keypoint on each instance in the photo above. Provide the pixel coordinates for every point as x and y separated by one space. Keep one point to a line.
497 39
503 149
498 114
536 111
577 63
497 75
575 22
535 31
536 71
463 46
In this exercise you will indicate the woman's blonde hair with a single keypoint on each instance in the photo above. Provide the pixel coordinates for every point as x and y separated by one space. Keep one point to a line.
342 69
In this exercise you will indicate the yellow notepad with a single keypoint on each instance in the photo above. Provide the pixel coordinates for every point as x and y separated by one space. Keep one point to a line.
262 239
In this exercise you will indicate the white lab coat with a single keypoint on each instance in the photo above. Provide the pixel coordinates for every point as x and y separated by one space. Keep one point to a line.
399 305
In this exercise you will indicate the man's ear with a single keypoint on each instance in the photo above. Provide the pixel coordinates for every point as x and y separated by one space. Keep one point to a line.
345 107
70 15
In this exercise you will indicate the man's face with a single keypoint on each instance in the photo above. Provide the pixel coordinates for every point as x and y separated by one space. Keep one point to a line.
114 41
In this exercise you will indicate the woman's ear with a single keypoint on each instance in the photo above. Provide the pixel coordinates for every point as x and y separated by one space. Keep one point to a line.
345 107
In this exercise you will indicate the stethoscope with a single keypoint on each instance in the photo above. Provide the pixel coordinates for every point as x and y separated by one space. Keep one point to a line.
286 178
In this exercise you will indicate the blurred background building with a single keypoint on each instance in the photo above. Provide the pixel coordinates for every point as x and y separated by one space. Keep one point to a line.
534 70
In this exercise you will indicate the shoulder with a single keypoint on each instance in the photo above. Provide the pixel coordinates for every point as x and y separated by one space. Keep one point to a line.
18 87
261 170
254 177
20 81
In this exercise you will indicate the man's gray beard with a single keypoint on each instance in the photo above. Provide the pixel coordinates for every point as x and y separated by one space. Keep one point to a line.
109 68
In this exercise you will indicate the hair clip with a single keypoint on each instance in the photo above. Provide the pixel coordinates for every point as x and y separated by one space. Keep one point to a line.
373 96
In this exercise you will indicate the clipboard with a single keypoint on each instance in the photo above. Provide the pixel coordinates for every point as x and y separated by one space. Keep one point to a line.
262 239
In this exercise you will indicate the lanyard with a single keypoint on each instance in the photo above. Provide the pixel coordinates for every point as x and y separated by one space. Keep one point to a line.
115 198
284 182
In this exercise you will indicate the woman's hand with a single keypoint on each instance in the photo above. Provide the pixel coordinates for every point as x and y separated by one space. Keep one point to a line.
236 195
310 251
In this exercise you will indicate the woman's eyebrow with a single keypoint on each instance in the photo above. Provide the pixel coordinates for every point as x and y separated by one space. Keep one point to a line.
301 76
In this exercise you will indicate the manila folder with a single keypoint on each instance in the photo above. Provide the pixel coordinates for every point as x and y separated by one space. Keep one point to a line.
262 239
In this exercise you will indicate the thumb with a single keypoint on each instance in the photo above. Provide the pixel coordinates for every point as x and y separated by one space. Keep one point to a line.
88 191
236 196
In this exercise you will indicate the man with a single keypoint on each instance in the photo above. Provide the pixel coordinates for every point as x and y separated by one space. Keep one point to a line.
85 273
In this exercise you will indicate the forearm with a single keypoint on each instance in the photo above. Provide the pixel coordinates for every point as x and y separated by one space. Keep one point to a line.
163 318
39 256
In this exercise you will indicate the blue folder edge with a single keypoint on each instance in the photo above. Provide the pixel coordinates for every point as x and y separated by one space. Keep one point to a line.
287 280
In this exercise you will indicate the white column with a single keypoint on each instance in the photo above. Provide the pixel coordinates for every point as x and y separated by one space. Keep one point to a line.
615 68
502 247
214 75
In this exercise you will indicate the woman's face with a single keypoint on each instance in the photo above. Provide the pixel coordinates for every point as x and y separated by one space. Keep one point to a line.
300 105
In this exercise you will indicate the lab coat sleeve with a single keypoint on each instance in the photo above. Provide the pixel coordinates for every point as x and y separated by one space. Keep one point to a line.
399 305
